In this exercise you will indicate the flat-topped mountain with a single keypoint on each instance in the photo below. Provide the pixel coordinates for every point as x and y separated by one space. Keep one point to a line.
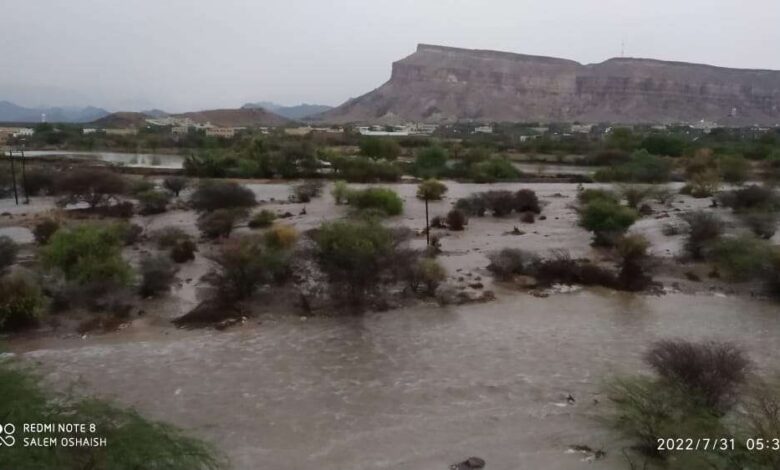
445 84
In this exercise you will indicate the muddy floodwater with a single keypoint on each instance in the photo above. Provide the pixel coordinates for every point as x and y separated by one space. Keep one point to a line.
416 388
419 387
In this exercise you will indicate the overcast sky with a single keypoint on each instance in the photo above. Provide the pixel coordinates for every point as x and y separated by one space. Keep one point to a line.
194 54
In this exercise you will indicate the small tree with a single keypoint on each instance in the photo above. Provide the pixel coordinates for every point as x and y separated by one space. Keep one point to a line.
213 195
244 264
500 203
92 186
175 184
606 220
704 228
354 256
428 273
633 252
526 201
456 220
431 190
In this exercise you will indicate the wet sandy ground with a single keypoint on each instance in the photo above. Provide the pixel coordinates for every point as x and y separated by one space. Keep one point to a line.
415 388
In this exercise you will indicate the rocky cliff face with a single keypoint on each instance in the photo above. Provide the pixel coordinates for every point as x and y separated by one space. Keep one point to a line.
443 84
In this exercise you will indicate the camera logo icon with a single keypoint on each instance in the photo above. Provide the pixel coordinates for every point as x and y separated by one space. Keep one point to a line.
7 438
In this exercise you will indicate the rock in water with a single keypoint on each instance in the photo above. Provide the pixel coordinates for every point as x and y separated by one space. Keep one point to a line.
470 463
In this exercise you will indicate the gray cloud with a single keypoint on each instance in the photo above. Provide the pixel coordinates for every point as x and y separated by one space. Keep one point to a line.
190 54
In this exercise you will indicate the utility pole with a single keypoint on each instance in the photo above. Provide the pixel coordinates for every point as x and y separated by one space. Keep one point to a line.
427 227
13 175
24 177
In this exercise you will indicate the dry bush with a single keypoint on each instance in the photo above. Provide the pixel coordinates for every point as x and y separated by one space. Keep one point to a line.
500 203
21 302
712 371
213 195
526 201
633 252
92 186
157 275
456 220
475 205
175 184
306 191
762 224
8 252
281 236
704 228
510 261
220 222
44 229
183 251
427 273
262 219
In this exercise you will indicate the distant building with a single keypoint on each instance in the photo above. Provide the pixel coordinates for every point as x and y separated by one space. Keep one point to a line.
126 131
9 132
581 128
88 130
483 130
398 131
223 132
179 131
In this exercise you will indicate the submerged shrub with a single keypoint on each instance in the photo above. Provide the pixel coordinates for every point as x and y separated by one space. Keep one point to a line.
510 261
213 195
633 252
175 184
153 201
306 191
88 253
44 229
456 220
262 219
704 228
474 205
762 224
220 222
244 264
383 199
183 250
591 194
8 252
21 302
526 201
607 220
741 258
427 273
500 203
170 236
340 192
281 236
750 198
157 275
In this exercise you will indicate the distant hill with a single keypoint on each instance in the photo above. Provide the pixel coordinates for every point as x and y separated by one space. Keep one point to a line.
291 112
121 120
244 117
446 84
155 113
10 112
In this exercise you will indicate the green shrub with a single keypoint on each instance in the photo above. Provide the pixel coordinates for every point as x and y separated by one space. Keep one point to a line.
44 229
133 442
426 273
474 205
153 201
751 198
88 253
213 195
383 199
354 255
634 194
21 302
431 162
642 167
492 170
704 229
734 169
262 219
340 192
220 222
762 224
607 220
376 147
157 275
244 264
432 190
8 252
587 195
741 258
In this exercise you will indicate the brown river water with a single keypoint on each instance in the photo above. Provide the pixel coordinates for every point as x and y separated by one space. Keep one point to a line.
416 388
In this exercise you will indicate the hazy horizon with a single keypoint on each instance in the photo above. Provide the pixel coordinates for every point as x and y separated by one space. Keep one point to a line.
188 55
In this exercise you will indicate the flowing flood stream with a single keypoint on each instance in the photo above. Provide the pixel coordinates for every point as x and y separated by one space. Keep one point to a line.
416 388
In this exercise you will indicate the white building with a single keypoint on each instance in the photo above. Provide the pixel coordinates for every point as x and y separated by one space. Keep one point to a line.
483 130
223 132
